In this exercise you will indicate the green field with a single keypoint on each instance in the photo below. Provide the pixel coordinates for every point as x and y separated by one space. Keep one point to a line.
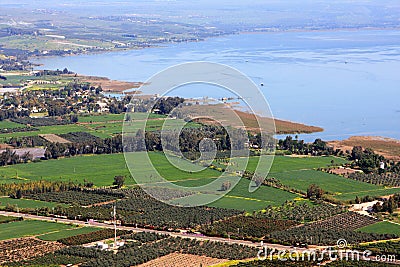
26 203
382 228
286 163
296 173
117 117
342 188
9 125
30 228
102 126
100 169
67 233
240 197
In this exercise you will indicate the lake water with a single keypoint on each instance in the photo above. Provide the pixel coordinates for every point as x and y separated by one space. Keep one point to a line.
347 82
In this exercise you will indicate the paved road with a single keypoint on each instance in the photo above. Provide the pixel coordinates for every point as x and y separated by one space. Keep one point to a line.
134 229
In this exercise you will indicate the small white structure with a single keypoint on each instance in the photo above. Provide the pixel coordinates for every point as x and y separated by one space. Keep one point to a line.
101 245
382 165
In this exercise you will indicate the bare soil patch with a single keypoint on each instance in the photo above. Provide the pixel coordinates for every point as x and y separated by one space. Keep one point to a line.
25 248
222 113
53 138
178 260
108 85
388 147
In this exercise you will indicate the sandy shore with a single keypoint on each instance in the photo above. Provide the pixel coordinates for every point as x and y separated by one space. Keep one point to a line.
388 147
107 84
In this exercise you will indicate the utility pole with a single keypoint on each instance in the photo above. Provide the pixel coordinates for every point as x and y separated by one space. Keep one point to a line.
115 225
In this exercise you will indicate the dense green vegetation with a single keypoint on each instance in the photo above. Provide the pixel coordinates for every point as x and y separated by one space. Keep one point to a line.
246 227
89 237
73 197
382 248
330 230
302 212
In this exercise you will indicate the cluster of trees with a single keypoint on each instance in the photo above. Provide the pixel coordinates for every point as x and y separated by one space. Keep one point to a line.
144 237
77 137
17 130
189 139
382 248
139 209
96 146
136 253
302 212
318 235
73 197
317 148
48 121
133 255
328 231
9 157
13 113
314 192
385 179
359 200
388 205
166 105
246 227
37 187
56 72
90 237
366 159
10 64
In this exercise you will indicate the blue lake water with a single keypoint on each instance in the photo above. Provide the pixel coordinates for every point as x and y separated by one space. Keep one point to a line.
347 82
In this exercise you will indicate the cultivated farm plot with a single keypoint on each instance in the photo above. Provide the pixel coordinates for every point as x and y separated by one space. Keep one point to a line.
100 169
10 125
67 233
30 228
102 126
287 163
53 138
342 188
241 199
26 203
178 259
25 248
382 228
